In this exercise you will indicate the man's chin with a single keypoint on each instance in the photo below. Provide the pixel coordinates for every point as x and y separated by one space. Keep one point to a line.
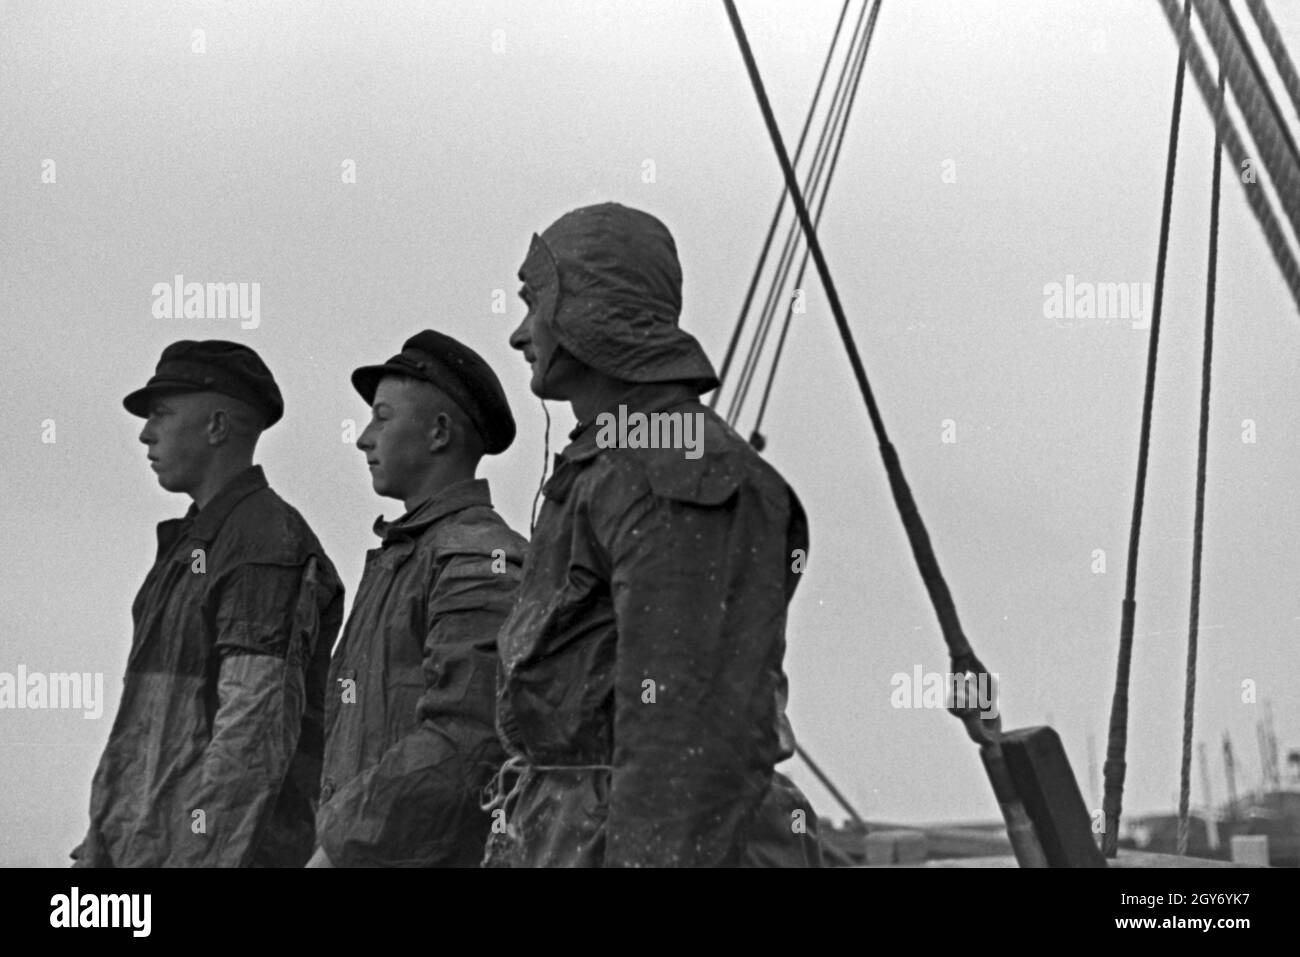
383 489
168 485
545 390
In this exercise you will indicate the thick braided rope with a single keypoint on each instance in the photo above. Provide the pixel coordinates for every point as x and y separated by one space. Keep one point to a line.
1255 108
1261 81
1232 142
1277 49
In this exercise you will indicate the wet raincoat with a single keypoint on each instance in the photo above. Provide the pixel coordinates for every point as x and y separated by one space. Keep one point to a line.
642 685
410 714
215 754
642 697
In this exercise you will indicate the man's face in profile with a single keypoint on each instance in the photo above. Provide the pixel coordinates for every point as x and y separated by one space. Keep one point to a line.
396 441
176 434
553 367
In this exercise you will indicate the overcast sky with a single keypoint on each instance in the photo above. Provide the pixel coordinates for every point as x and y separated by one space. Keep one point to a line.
470 128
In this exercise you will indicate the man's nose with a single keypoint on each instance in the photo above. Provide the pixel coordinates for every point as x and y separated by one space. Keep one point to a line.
146 436
364 442
520 337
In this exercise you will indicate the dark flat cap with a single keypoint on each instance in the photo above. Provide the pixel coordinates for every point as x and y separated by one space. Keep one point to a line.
212 365
458 371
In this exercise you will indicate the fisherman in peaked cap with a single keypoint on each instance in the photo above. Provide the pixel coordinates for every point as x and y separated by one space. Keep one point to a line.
642 692
457 371
410 732
215 754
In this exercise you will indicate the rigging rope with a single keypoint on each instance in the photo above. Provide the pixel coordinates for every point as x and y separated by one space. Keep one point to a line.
817 219
815 167
811 185
1114 768
1256 198
959 648
829 785
1202 446
776 216
982 728
1258 73
1259 121
1277 49
816 192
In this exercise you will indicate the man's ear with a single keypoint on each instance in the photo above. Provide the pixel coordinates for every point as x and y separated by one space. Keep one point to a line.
219 427
440 432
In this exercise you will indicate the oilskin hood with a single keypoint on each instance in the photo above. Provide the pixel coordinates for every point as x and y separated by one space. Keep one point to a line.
607 281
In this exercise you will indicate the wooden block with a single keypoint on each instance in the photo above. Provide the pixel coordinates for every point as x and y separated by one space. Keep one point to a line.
1045 784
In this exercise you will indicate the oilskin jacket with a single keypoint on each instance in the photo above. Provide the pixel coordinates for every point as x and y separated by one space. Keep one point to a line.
642 689
215 754
410 739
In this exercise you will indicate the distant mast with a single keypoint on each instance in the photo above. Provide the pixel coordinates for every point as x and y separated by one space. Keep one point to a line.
1230 771
1204 762
1270 741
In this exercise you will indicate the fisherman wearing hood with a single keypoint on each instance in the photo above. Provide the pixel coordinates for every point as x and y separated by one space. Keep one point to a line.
410 735
642 692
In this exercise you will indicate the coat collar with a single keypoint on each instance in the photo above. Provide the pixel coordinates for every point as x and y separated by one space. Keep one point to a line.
582 447
646 397
453 498
204 523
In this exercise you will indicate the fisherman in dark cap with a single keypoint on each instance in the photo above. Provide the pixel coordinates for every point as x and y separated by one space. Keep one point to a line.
214 758
411 740
642 698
